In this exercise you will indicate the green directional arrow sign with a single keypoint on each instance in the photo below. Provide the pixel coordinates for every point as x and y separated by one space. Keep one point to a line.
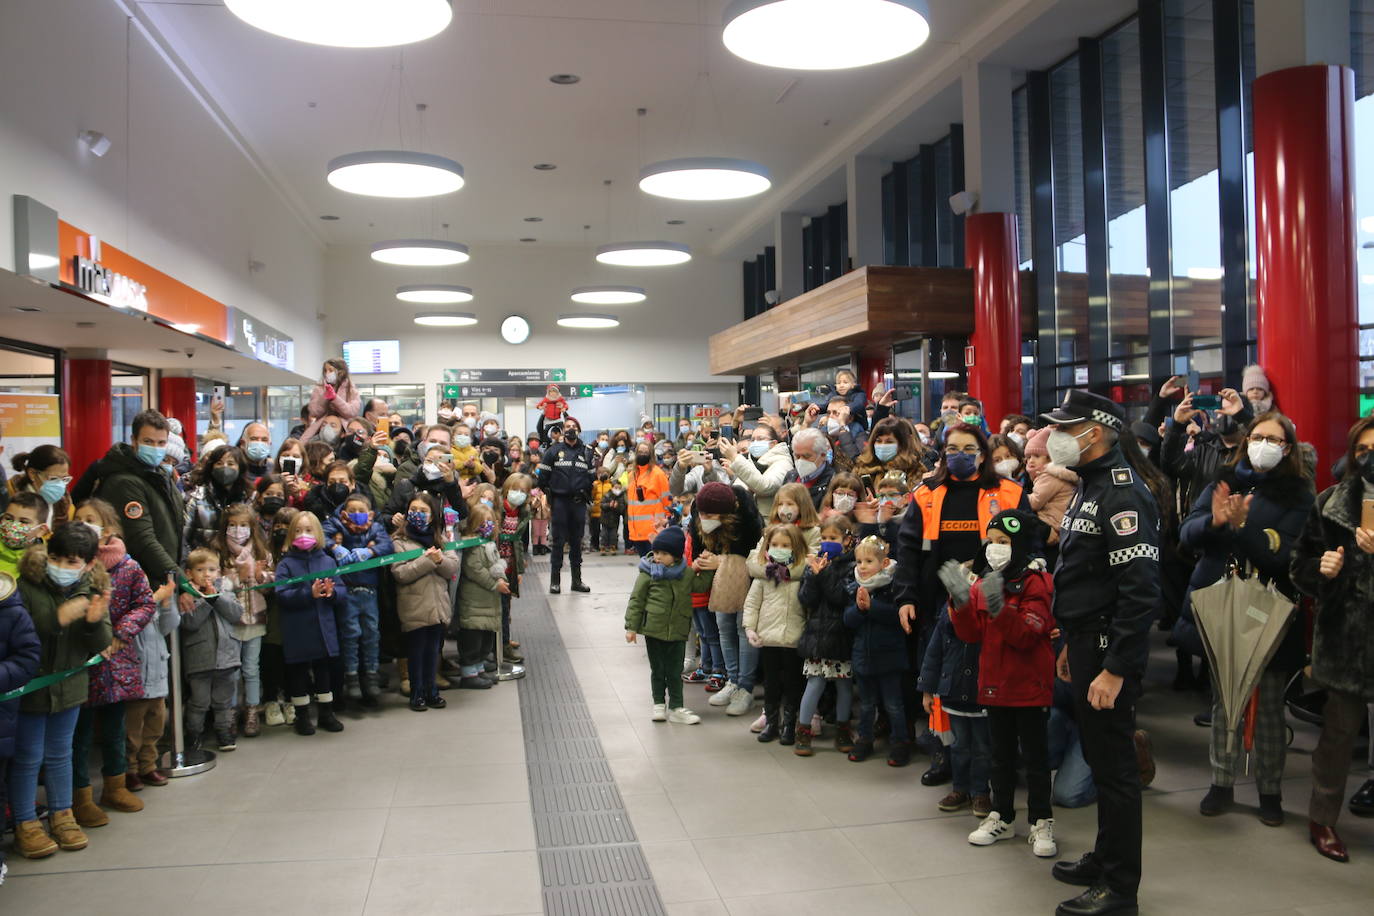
560 375
451 392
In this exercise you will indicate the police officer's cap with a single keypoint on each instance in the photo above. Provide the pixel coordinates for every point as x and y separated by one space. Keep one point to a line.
1084 406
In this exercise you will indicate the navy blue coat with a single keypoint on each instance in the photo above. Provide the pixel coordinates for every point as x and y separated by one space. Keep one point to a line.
879 640
307 623
375 535
19 656
825 596
950 668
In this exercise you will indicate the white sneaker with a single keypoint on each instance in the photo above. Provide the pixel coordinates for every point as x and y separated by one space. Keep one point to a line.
722 696
690 664
1041 839
759 723
660 713
741 701
274 715
991 830
683 716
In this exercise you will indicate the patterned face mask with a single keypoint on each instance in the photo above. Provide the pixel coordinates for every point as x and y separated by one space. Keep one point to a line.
15 534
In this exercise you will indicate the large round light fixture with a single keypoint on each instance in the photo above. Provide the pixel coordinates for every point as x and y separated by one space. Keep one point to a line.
434 294
608 295
394 173
347 23
446 319
644 254
825 34
420 252
588 321
704 178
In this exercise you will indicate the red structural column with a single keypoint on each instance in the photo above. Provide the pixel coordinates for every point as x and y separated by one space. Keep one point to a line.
871 372
1305 224
87 413
176 397
990 246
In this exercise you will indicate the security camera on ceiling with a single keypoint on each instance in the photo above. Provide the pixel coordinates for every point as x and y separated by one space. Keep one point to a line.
771 297
95 141
963 202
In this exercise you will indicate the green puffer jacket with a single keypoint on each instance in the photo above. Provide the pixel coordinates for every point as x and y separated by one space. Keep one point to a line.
63 647
479 603
661 602
151 510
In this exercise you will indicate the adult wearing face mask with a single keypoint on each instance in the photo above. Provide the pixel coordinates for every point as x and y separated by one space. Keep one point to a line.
761 464
46 471
256 445
1106 598
891 447
620 455
131 478
566 474
684 435
648 497
217 482
1194 469
333 396
1252 516
812 463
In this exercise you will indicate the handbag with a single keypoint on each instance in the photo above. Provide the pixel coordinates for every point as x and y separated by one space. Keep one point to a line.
730 586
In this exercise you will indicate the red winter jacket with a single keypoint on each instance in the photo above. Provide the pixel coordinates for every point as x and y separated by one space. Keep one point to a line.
1016 666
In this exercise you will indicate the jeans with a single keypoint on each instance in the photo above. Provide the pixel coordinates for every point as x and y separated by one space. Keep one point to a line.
1024 728
422 652
569 520
811 699
42 741
970 756
665 659
885 689
741 659
712 658
113 762
211 690
610 532
1073 779
250 663
357 622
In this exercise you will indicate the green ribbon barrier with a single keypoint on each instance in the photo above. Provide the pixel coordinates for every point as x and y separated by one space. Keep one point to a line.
47 680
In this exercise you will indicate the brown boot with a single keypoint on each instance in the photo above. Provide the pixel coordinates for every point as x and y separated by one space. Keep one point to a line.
403 668
252 724
117 796
32 842
87 812
803 748
65 831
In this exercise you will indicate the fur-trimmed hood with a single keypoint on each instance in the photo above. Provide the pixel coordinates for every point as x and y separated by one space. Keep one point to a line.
33 566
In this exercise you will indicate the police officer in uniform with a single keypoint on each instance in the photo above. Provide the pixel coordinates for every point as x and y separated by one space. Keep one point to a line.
566 474
1106 596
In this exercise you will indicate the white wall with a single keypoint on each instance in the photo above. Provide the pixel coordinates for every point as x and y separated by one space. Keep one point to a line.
193 206
660 342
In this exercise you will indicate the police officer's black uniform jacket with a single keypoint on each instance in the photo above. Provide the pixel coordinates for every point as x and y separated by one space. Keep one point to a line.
1107 578
568 470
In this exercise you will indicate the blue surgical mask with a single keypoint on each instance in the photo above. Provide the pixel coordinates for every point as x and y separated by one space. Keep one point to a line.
620 449
516 498
759 449
885 451
780 554
358 518
461 441
830 549
258 451
52 491
151 455
63 577
962 465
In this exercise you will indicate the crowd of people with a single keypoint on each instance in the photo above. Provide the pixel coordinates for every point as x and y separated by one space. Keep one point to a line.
982 598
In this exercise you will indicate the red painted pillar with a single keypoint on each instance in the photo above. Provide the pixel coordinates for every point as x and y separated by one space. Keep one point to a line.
176 397
86 411
1305 225
871 372
990 247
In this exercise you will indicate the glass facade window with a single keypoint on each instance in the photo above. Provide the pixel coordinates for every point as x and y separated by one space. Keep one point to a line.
1020 137
1071 259
128 397
1362 60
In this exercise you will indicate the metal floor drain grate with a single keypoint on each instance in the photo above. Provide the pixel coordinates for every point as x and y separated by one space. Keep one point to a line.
590 860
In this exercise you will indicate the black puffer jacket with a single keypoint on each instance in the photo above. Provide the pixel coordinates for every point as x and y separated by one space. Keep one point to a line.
824 596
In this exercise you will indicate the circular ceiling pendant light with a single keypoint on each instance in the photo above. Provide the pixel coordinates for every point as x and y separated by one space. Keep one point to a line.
446 319
825 34
705 178
347 23
644 254
420 253
434 293
394 173
609 295
588 321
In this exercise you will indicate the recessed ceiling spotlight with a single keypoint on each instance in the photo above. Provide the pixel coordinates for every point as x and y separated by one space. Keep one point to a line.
394 173
420 252
534 219
29 308
170 350
544 166
565 79
529 240
356 24
677 222
329 217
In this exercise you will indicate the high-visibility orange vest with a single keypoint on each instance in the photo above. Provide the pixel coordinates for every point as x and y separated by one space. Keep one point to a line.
646 497
1006 495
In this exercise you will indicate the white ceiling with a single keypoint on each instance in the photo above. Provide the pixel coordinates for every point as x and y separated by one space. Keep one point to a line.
491 107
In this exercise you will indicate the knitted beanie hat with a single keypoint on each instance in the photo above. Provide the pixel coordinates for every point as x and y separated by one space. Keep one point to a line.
716 498
1036 442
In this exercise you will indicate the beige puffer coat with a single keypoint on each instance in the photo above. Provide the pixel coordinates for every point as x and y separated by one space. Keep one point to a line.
774 611
422 597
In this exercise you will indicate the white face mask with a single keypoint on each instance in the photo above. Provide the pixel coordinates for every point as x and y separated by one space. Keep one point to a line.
445 413
1264 456
780 554
786 513
94 527
432 471
710 524
1262 406
1063 448
1007 467
1017 438
806 468
999 555
330 434
843 502
331 377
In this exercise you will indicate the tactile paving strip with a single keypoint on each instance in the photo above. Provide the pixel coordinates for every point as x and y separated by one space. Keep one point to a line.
589 857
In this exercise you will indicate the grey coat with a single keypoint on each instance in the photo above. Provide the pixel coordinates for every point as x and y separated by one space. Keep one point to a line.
152 649
207 635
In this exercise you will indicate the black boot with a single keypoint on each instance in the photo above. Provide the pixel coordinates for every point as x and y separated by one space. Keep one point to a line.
940 771
328 721
899 753
370 688
554 576
303 724
578 585
1217 801
787 734
770 728
1362 802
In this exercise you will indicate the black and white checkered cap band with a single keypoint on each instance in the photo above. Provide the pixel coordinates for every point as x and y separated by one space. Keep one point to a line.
1106 419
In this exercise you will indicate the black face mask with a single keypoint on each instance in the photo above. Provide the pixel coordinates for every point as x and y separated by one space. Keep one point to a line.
272 505
492 458
1225 425
570 436
225 476
1367 467
401 447
279 537
642 460
337 492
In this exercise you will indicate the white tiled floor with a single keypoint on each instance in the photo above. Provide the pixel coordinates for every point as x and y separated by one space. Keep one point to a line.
411 814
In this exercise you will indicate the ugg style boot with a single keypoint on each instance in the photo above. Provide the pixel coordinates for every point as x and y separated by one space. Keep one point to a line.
403 668
328 721
32 842
803 748
86 811
302 707
844 737
115 794
65 831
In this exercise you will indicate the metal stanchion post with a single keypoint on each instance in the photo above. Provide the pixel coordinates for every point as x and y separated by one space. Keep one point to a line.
179 761
505 672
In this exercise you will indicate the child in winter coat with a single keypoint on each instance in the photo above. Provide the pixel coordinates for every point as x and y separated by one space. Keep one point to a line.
422 598
510 544
613 506
773 621
826 644
539 522
66 592
791 506
21 524
950 671
20 652
355 535
145 718
209 651
245 561
1008 612
1053 486
131 608
479 600
600 487
660 608
310 638
879 659
553 404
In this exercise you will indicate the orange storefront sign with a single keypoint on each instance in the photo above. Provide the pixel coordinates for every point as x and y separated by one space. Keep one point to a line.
167 299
